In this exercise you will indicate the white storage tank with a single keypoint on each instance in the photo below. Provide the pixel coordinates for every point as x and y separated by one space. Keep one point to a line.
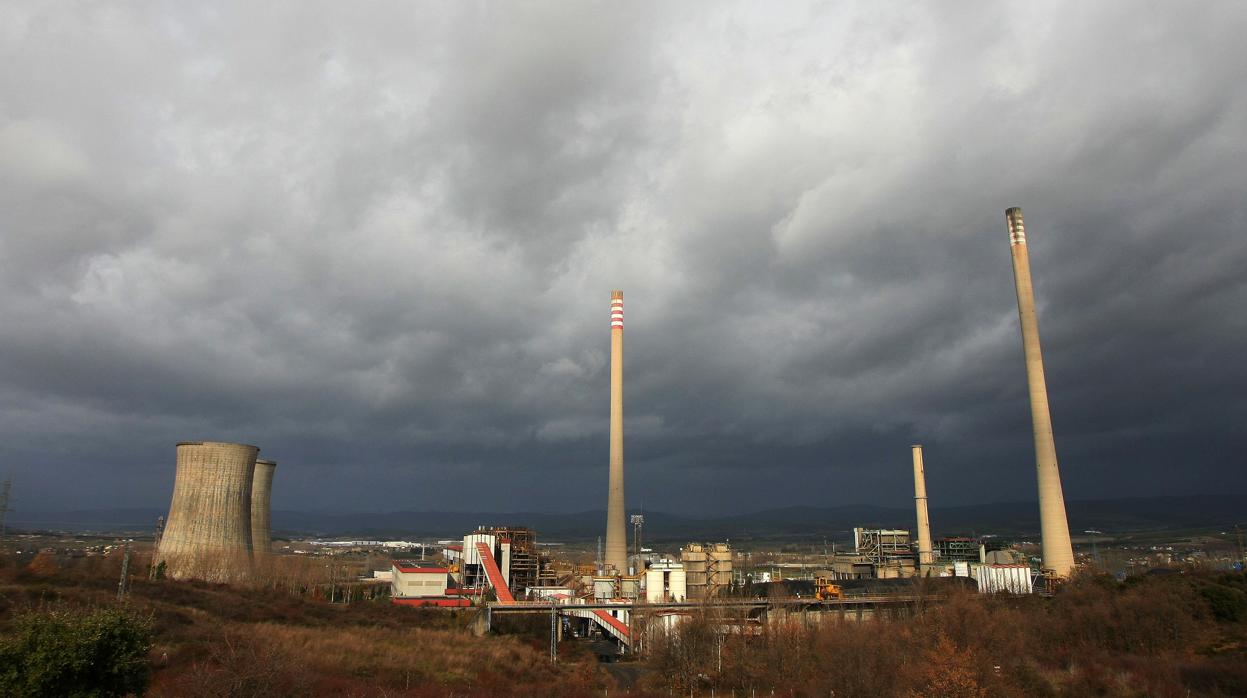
664 581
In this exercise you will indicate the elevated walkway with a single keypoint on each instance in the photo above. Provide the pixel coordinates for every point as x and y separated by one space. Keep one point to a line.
610 624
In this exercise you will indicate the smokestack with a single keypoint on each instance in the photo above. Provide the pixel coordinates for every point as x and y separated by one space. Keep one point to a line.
208 535
1058 552
616 534
261 493
925 556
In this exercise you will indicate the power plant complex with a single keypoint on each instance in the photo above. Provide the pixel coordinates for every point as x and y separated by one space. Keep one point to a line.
878 552
219 528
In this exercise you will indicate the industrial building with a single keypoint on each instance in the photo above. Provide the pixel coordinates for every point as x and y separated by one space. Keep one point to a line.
871 566
950 550
413 579
419 583
1010 579
882 545
665 581
472 567
512 548
707 569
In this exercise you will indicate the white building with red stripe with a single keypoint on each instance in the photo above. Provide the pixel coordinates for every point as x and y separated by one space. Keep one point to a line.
419 583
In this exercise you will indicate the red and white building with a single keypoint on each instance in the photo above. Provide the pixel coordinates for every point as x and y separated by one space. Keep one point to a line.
418 583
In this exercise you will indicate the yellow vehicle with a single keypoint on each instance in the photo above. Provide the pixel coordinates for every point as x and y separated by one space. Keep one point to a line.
824 589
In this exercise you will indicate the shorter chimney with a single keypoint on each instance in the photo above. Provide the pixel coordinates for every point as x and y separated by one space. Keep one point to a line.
925 557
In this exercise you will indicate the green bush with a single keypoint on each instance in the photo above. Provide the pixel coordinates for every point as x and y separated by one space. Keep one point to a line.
1226 603
102 652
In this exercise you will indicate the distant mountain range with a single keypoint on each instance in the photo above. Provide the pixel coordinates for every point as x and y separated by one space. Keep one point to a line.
802 523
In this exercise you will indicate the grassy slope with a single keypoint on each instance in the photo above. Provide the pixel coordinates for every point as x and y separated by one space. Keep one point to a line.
212 640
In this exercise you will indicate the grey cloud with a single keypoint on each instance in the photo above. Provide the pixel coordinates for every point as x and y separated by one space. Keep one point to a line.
378 243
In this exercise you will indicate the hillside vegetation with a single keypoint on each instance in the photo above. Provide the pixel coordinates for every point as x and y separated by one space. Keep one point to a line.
1173 635
214 640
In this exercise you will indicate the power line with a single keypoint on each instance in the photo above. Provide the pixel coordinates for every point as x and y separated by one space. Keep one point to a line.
4 503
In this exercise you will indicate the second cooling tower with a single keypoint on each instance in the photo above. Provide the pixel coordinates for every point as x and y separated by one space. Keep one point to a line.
208 535
261 493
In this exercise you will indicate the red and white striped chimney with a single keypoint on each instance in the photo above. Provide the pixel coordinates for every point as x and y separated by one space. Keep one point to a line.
617 310
616 534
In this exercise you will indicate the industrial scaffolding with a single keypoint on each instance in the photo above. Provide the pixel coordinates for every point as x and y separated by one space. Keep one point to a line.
525 564
882 546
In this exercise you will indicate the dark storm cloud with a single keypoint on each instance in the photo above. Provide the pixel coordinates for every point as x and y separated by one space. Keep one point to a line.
379 244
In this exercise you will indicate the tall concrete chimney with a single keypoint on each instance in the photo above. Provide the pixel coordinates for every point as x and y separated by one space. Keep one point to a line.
926 557
616 533
1058 552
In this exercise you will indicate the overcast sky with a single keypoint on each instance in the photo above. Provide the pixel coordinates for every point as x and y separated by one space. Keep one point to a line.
379 240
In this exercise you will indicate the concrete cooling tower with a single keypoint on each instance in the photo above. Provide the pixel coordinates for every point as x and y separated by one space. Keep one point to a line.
208 535
261 491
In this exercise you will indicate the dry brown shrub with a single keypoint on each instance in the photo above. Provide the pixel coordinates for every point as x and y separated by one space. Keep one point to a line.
686 654
234 663
1096 636
991 627
275 659
12 564
1216 676
779 658
45 564
949 672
